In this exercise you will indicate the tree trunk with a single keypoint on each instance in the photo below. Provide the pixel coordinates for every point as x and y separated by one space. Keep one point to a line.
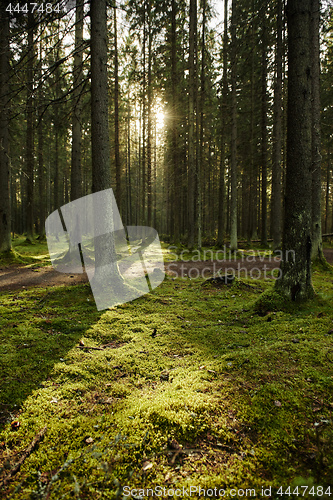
41 173
105 252
233 182
221 214
5 206
176 186
116 113
276 210
149 120
264 146
295 281
76 167
317 243
327 197
191 135
143 115
129 185
30 130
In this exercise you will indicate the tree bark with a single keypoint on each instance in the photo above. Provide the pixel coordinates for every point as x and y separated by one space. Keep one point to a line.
276 208
191 135
149 119
30 130
176 185
317 243
5 205
105 252
233 182
264 145
221 215
76 167
295 281
41 173
116 113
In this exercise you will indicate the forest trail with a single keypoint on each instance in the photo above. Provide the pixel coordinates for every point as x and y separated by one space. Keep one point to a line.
19 277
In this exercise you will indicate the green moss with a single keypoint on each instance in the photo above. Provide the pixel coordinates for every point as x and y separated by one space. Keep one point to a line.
242 396
271 300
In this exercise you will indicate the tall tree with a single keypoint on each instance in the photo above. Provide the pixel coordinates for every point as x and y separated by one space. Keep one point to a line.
295 281
221 222
5 205
105 251
76 167
264 142
40 131
149 116
192 178
233 167
30 128
317 244
276 208
116 111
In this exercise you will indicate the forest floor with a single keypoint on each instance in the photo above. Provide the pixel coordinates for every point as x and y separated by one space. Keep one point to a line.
16 276
190 386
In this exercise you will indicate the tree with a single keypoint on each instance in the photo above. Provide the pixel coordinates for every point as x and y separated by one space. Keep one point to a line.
317 244
264 144
116 112
105 251
233 181
192 177
276 209
221 224
295 281
5 205
76 174
30 128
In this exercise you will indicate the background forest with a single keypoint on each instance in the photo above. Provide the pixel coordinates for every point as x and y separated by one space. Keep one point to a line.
213 123
197 114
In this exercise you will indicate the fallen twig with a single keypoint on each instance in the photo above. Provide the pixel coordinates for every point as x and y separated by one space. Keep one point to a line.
25 455
87 347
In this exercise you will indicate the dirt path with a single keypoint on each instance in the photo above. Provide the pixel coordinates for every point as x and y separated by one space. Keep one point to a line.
18 278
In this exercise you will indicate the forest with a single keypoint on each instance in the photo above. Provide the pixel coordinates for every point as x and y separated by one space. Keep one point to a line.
212 122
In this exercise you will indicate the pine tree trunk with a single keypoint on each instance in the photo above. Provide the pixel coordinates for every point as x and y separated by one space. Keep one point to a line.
233 182
149 120
191 135
143 114
327 197
295 281
41 173
30 130
264 145
116 114
105 252
76 167
5 206
276 209
176 188
317 243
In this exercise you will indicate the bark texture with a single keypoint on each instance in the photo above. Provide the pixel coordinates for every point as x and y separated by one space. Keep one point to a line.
295 282
5 212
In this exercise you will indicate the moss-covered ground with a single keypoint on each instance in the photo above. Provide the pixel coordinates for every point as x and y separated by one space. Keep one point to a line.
189 386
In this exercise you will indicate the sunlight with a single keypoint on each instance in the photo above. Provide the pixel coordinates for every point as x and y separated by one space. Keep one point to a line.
159 119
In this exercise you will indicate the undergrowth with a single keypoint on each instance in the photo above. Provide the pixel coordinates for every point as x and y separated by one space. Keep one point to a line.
187 386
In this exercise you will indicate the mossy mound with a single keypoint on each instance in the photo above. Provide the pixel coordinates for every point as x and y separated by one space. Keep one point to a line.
271 300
